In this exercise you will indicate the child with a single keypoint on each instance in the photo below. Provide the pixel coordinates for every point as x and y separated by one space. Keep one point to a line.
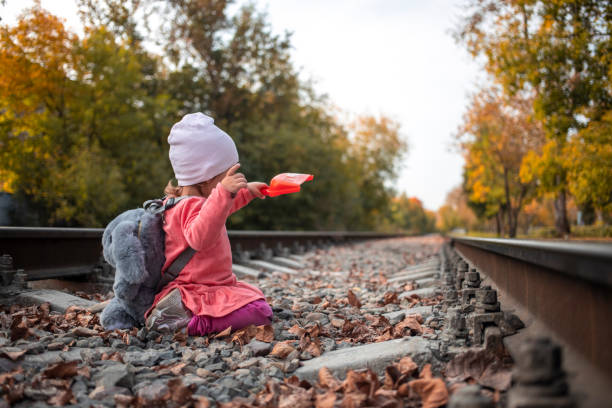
205 296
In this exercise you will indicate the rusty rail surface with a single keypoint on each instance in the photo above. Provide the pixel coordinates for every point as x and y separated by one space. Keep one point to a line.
46 253
566 286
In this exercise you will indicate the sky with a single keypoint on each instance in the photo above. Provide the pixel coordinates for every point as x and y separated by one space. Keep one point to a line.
391 57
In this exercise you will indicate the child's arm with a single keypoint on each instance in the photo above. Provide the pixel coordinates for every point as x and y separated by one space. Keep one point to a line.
245 195
202 222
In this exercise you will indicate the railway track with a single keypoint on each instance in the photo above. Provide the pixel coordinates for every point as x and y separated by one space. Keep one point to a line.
48 253
457 309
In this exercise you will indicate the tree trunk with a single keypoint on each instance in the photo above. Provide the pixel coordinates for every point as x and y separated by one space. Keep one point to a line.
498 224
561 224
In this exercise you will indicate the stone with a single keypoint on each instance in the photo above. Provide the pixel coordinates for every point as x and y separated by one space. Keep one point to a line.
120 375
422 292
316 317
259 348
89 355
118 344
284 314
57 345
58 301
148 357
153 392
217 366
470 397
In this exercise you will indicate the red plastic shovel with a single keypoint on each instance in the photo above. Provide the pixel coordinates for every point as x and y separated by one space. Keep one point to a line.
285 183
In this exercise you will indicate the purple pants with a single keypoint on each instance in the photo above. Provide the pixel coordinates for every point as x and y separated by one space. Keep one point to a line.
257 312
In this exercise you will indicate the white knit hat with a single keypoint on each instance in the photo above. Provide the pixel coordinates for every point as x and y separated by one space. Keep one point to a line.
199 150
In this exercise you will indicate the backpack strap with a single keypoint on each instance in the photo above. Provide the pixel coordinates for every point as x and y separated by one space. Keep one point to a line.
176 267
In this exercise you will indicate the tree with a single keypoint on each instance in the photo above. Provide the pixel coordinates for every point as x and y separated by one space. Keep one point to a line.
589 159
455 212
408 214
496 135
560 51
79 127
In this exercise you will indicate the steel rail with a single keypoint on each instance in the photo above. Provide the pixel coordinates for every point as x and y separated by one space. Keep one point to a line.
45 253
566 286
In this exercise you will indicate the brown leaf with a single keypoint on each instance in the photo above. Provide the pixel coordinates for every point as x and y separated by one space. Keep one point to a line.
201 401
15 393
180 337
328 380
392 374
12 352
61 370
299 398
426 372
297 330
124 401
410 322
84 371
179 393
265 334
281 350
8 377
483 366
177 368
245 335
390 297
83 332
74 309
19 329
363 381
224 333
314 348
432 391
353 300
326 400
407 366
62 398
353 400
404 390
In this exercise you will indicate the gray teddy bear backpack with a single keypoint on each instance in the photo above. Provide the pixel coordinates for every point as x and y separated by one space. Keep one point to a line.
134 243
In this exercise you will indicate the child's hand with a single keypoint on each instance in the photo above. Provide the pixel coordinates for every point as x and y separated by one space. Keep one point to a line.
233 181
255 189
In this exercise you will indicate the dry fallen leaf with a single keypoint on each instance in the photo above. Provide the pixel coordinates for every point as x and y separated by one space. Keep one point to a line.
407 366
265 334
61 370
62 398
432 391
201 402
390 297
410 322
326 400
297 330
281 350
327 379
482 366
352 299
12 352
224 333
124 401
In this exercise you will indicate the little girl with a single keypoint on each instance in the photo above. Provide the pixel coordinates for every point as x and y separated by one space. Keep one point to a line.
205 296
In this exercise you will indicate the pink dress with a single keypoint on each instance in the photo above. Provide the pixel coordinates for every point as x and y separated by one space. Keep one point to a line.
207 285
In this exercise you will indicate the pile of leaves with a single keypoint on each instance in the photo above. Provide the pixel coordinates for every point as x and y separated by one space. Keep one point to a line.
403 386
21 322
